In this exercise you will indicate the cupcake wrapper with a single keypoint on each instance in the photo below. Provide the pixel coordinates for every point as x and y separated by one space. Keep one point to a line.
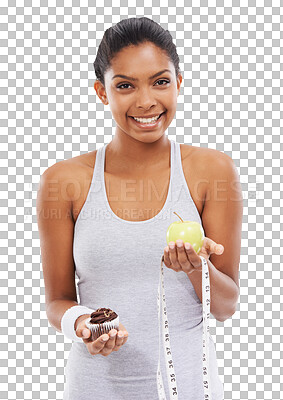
99 329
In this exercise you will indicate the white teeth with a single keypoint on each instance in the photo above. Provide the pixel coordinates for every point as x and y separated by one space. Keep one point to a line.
146 121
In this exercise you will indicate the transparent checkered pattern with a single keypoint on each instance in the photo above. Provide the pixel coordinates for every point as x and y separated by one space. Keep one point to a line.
230 100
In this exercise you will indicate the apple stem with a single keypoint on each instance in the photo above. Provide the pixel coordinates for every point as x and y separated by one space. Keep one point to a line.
178 216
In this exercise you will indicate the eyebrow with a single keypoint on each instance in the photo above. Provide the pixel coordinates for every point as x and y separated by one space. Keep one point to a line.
135 79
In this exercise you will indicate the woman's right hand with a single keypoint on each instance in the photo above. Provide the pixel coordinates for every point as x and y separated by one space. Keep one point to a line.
101 346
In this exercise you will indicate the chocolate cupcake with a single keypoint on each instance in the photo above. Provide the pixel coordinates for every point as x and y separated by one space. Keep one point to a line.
102 321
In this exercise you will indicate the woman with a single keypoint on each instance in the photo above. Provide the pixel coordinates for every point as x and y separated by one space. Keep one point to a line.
105 214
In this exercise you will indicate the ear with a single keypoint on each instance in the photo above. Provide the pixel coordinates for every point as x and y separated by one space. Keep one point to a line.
100 91
179 81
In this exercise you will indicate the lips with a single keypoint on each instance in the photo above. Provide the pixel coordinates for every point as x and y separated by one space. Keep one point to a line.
149 117
144 126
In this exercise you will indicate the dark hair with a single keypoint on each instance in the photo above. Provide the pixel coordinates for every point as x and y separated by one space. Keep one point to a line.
132 31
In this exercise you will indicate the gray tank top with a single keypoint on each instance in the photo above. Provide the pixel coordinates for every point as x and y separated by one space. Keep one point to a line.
118 266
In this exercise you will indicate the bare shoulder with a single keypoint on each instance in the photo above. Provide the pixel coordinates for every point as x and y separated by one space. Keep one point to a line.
70 175
80 161
202 168
204 159
197 151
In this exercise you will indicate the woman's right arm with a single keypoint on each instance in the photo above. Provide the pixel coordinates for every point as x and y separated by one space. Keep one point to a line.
56 230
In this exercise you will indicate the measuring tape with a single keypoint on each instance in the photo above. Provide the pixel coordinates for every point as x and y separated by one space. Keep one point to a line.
171 376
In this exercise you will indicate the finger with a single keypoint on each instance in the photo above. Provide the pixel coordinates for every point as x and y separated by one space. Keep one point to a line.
119 341
212 247
98 345
174 257
110 344
167 260
219 249
83 332
126 335
209 244
193 258
183 258
86 333
112 339
124 330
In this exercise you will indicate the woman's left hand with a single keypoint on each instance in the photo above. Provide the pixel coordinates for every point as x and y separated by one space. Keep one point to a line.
181 259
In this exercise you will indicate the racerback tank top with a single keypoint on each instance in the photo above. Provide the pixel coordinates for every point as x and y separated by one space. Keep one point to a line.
118 266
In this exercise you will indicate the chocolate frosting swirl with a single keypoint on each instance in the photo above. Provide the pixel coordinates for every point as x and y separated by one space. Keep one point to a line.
102 315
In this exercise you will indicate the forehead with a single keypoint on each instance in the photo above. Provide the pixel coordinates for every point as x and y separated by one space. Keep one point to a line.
140 61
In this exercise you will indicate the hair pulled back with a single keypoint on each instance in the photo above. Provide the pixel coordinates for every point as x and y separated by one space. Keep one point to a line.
132 31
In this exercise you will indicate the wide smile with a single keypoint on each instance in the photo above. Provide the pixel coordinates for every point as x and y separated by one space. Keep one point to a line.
149 125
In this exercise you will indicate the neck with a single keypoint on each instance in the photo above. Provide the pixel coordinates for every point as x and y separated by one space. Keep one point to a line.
127 155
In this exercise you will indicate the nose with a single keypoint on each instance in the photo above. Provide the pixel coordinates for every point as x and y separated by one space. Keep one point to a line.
145 99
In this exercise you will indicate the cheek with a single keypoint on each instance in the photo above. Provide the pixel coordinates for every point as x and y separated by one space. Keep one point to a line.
120 106
169 100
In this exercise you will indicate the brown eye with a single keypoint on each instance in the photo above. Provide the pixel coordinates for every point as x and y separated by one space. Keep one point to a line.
123 84
163 80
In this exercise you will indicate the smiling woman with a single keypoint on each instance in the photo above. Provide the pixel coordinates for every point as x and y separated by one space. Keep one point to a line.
117 258
144 103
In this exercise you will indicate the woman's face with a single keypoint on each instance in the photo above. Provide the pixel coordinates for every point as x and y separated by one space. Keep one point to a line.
149 93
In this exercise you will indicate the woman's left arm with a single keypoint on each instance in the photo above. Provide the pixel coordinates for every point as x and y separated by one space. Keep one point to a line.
222 223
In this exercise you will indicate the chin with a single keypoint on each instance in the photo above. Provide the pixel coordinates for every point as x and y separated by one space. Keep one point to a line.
149 137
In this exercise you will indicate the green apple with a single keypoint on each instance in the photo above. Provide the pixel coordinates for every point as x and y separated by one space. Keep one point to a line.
188 231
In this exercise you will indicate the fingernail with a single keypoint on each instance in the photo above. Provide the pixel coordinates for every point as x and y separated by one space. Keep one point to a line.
105 338
85 333
187 246
171 245
179 244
